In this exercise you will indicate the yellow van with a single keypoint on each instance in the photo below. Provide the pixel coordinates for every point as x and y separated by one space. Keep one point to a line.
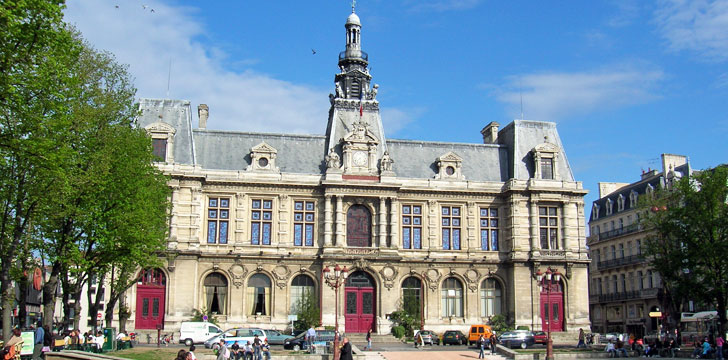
476 331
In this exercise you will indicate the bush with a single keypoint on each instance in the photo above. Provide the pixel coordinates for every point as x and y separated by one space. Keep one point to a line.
398 331
499 323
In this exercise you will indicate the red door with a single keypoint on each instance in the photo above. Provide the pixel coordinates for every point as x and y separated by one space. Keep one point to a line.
150 299
359 309
552 309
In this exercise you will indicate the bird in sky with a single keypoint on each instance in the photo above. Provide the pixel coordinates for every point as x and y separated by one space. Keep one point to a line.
117 6
313 51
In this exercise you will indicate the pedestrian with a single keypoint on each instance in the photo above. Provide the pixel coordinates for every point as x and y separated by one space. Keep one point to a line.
481 346
310 338
346 350
192 352
38 338
265 349
181 355
719 345
493 343
223 353
256 348
369 341
581 343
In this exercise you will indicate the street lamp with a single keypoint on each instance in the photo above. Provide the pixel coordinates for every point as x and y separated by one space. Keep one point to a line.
335 280
551 277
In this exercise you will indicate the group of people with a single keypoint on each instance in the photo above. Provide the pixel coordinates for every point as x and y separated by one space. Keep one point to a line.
186 355
258 350
706 349
484 342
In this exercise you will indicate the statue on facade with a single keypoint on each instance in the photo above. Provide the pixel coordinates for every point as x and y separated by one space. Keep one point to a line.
386 162
332 160
339 91
372 95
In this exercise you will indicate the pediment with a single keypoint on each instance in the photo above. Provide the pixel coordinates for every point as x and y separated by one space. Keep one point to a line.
546 147
361 134
263 148
160 127
450 156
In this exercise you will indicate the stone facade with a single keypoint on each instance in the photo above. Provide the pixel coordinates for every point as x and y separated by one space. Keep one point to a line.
464 227
624 289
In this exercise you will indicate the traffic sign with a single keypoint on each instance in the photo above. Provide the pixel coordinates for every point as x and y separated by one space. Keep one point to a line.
99 315
204 318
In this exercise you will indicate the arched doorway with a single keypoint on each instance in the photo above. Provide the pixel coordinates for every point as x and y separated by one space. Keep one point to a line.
359 302
358 226
412 298
552 307
151 289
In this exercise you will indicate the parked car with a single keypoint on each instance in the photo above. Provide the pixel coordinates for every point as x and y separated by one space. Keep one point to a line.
193 332
429 337
540 337
236 335
454 337
299 342
275 337
476 331
516 338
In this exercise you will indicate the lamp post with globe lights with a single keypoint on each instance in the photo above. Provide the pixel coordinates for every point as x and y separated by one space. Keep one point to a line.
335 280
551 277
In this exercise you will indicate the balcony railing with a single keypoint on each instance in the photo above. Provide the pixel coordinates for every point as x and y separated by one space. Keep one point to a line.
626 295
617 232
613 263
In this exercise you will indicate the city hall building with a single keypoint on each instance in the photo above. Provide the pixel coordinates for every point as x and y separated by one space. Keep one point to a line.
462 229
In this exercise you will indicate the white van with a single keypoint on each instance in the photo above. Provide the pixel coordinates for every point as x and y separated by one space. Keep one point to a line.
197 332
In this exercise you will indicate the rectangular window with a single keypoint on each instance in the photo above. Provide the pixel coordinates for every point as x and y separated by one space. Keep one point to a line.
261 221
159 149
451 216
549 227
411 226
218 215
489 229
547 168
303 222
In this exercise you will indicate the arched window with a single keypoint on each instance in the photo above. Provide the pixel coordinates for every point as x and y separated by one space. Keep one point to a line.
152 277
491 298
412 296
358 226
258 295
215 292
302 288
452 298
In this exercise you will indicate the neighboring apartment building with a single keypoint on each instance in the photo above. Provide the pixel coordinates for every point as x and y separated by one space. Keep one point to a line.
623 287
464 228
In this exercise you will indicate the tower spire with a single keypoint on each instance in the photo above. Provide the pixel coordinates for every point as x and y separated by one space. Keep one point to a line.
353 5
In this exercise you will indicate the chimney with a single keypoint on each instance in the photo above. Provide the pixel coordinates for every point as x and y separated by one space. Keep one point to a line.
490 133
203 111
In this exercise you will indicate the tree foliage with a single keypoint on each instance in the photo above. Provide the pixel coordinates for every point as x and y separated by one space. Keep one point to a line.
689 241
307 311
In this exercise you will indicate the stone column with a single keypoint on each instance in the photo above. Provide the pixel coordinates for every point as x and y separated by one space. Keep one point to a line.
472 223
382 222
328 221
568 225
535 234
394 223
283 222
340 236
433 225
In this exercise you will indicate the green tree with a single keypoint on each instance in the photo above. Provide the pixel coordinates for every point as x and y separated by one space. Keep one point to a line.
689 241
408 314
35 53
307 311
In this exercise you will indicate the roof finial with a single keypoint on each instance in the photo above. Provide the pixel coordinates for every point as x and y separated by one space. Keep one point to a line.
353 5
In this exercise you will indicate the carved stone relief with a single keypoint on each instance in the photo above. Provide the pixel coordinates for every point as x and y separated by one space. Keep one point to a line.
433 278
388 273
281 274
238 273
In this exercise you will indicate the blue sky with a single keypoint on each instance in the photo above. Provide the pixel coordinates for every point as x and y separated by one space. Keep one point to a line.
624 80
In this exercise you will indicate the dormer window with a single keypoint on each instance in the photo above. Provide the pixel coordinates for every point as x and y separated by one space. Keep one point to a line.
650 190
595 212
162 135
633 197
545 158
610 206
450 167
263 158
620 203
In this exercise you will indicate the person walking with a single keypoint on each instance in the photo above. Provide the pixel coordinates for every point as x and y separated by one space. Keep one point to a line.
256 348
38 339
310 338
481 346
581 343
346 350
493 343
369 341
223 353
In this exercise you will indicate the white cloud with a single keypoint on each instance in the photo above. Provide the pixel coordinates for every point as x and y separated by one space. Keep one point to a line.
395 119
627 13
552 95
239 100
442 5
700 26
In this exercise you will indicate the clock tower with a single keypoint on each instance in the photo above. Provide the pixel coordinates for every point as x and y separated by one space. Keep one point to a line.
354 131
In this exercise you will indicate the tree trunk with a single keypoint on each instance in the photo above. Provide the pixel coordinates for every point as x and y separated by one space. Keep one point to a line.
721 313
22 285
49 295
8 297
77 308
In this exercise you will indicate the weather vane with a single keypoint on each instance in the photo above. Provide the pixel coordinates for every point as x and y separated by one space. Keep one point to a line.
353 5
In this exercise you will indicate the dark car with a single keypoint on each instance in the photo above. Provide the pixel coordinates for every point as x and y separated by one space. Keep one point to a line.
454 337
540 337
517 338
299 342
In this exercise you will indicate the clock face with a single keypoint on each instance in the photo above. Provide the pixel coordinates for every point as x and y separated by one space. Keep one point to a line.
360 158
